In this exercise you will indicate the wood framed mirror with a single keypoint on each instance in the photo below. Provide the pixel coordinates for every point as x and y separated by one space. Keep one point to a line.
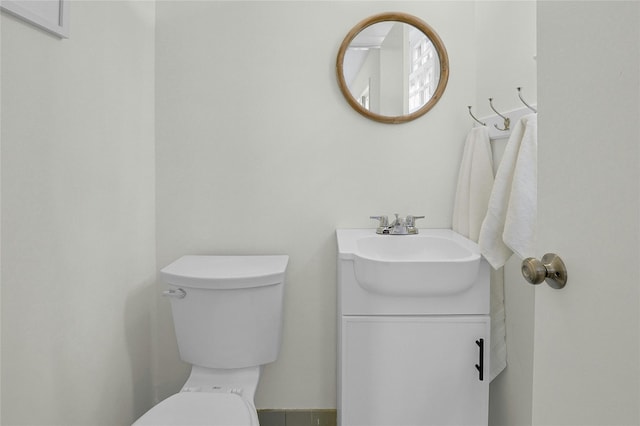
392 67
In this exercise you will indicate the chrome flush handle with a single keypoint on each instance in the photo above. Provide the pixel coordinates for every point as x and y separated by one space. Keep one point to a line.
177 294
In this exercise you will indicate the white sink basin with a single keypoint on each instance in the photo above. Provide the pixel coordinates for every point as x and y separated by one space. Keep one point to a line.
435 262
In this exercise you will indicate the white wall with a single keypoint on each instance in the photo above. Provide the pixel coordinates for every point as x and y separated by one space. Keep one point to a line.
368 75
394 73
505 44
0 224
78 217
0 221
257 152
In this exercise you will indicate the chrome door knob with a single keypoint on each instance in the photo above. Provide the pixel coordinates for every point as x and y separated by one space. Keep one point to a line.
550 269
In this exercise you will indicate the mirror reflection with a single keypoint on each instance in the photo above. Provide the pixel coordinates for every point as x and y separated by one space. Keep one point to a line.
392 68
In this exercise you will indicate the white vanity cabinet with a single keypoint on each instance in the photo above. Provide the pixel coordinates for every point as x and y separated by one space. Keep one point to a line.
416 370
411 360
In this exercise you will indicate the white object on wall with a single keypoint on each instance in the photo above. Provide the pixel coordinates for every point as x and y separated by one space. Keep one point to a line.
49 15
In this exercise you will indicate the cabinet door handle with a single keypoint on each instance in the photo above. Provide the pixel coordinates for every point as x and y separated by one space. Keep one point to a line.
480 366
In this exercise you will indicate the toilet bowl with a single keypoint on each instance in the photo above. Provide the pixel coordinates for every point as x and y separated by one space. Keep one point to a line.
227 313
201 408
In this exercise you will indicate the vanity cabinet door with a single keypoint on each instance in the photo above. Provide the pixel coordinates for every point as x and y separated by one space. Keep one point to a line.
414 370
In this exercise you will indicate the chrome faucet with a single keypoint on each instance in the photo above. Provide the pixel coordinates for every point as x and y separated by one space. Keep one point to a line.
400 226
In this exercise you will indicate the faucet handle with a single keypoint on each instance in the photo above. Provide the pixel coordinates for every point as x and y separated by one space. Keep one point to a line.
384 221
411 220
383 225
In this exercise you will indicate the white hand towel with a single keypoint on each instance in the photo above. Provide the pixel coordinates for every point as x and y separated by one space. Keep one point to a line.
510 224
520 225
475 180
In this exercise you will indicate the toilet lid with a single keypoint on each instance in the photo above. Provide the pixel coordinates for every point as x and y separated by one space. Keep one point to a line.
201 408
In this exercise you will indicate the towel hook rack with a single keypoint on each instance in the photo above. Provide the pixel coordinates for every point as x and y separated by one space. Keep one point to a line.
474 117
507 120
525 102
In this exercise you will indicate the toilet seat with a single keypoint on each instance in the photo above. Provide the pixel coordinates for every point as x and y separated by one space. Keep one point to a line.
201 408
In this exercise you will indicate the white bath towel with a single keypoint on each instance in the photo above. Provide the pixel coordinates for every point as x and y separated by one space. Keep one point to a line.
475 183
475 180
510 224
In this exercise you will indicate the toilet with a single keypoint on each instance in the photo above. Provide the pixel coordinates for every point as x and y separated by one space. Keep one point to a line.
227 313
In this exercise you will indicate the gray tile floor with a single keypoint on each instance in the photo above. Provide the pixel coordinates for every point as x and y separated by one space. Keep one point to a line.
297 417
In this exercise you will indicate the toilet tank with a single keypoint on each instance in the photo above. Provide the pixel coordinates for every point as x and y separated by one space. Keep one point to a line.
227 310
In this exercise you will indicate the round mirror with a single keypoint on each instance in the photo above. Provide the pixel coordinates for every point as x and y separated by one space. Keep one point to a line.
392 67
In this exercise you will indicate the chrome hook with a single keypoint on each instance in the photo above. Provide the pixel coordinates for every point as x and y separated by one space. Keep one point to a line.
474 117
525 102
507 120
